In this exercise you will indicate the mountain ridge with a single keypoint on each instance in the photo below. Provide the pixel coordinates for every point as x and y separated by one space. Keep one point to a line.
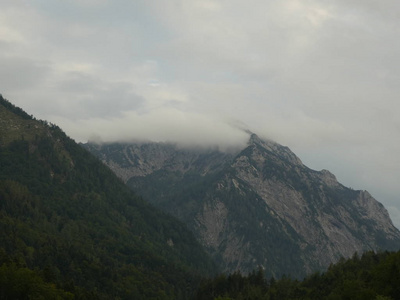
258 207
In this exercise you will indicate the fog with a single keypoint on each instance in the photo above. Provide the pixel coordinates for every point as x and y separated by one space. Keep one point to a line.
163 125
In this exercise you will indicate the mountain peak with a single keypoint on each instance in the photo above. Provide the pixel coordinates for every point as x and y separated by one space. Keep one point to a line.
274 148
239 205
254 139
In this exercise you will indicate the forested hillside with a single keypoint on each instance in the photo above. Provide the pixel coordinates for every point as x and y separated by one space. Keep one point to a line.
70 229
371 276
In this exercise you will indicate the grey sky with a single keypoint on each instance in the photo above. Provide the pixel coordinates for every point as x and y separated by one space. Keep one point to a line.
318 76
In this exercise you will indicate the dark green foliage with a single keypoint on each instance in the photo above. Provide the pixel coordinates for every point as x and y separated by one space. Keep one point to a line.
234 286
75 229
22 283
371 276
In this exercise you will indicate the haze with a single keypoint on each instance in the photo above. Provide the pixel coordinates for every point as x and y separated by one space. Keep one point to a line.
318 76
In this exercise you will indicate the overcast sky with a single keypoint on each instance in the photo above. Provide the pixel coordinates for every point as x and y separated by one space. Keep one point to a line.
321 77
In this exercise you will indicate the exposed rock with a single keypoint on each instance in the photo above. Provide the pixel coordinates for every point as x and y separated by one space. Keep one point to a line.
212 221
258 207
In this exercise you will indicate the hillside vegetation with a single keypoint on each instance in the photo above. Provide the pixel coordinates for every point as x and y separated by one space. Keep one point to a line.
71 229
371 276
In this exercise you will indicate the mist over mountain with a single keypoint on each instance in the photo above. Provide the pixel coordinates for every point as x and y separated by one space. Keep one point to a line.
187 129
258 206
320 77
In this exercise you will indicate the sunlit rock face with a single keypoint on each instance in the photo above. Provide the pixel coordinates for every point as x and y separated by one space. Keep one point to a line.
258 207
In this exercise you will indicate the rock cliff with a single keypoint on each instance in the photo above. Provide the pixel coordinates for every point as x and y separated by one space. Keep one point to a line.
259 207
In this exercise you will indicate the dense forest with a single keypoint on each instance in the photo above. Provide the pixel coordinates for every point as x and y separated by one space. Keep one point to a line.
71 229
371 276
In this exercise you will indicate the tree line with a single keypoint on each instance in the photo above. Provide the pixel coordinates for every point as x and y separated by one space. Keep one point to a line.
369 276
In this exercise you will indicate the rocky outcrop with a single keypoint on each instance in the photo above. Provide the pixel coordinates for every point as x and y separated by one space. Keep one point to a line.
139 160
258 207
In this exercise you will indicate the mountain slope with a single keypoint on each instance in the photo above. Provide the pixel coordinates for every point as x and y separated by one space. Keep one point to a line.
258 207
69 218
369 276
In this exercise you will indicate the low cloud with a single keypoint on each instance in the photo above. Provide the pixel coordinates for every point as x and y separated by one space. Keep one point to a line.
162 125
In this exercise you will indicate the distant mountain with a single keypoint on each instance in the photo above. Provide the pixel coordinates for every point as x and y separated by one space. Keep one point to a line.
258 207
70 229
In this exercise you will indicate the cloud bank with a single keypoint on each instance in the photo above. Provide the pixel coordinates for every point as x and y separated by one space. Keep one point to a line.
162 125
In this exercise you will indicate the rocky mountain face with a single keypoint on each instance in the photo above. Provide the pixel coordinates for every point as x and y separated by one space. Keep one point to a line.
259 207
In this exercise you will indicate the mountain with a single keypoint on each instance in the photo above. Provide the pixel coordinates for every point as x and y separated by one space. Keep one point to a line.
70 229
258 207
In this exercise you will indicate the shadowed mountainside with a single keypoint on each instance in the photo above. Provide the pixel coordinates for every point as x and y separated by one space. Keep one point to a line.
258 207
